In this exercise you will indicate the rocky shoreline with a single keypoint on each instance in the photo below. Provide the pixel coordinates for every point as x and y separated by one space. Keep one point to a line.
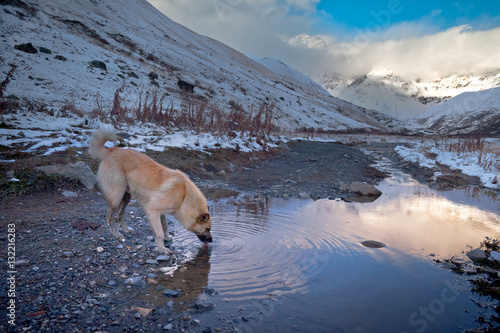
72 276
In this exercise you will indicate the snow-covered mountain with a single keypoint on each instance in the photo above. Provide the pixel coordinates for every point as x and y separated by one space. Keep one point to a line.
381 90
468 113
83 52
387 92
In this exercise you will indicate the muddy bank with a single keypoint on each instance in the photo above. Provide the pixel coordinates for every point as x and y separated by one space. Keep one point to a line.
308 169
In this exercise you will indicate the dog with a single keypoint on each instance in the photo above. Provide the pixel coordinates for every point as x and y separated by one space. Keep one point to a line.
127 173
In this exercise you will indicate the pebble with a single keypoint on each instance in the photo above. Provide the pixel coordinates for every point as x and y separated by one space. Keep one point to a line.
209 291
171 293
202 306
152 276
68 254
70 194
133 280
373 244
161 311
304 195
152 261
21 262
163 257
99 249
168 327
448 265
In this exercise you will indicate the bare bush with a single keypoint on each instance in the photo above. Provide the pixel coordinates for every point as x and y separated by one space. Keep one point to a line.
8 77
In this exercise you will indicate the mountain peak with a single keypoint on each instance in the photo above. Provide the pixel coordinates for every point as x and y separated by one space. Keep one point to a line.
305 40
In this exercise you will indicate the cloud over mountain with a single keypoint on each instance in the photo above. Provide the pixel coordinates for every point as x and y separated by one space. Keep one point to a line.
416 49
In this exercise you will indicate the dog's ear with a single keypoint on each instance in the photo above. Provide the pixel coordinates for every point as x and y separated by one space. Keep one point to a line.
203 218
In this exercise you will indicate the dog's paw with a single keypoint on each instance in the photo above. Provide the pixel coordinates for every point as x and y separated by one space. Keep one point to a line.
163 250
119 236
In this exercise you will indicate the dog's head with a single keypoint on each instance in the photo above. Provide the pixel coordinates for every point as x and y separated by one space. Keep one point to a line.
202 228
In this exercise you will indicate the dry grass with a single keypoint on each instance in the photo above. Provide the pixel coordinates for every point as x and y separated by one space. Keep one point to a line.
488 157
196 115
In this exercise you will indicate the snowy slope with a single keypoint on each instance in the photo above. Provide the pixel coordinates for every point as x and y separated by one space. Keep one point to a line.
387 92
144 51
467 113
381 90
455 85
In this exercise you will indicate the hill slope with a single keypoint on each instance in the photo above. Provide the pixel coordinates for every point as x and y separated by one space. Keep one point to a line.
87 51
468 113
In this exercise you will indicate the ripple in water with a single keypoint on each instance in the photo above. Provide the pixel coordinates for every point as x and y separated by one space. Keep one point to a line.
258 251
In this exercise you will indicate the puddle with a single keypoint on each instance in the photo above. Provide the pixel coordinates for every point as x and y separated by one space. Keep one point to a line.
300 265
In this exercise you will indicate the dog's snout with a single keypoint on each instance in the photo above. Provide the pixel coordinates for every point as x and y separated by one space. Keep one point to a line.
205 236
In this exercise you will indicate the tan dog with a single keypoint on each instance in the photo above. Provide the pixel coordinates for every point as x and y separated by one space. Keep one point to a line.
126 173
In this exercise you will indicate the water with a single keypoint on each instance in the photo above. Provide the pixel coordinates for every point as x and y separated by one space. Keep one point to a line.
299 266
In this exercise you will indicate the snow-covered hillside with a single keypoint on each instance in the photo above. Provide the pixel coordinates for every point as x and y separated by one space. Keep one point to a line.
468 113
83 52
385 91
381 90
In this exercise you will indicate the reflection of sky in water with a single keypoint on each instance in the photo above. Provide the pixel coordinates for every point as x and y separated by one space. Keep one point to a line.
309 255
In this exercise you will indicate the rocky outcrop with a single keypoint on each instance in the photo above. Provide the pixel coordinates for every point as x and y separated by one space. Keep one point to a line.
79 170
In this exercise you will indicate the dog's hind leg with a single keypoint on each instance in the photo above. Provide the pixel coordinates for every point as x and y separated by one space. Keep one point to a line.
156 225
121 211
110 217
113 186
164 225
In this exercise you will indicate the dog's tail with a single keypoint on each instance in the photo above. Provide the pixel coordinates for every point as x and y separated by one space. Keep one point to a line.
96 144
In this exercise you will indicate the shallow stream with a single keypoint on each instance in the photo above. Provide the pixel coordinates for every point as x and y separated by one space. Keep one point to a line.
299 266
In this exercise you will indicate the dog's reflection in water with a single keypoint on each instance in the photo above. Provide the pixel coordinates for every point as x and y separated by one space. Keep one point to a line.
191 279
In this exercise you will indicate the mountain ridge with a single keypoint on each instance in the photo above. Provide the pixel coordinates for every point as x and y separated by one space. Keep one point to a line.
387 92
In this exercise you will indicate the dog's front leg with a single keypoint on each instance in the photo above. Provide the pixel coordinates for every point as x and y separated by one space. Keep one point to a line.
155 222
164 225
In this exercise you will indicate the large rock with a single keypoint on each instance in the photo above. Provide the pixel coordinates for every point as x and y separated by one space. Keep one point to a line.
79 170
362 189
476 254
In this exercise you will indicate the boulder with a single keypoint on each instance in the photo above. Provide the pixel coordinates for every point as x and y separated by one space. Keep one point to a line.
476 254
79 170
364 189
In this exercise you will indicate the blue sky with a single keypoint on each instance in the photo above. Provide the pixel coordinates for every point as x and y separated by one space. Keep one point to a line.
441 15
417 38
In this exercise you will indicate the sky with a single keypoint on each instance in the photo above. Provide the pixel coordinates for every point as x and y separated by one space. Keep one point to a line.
417 38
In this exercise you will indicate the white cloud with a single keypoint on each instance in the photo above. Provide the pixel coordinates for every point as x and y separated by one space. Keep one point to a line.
414 49
459 50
